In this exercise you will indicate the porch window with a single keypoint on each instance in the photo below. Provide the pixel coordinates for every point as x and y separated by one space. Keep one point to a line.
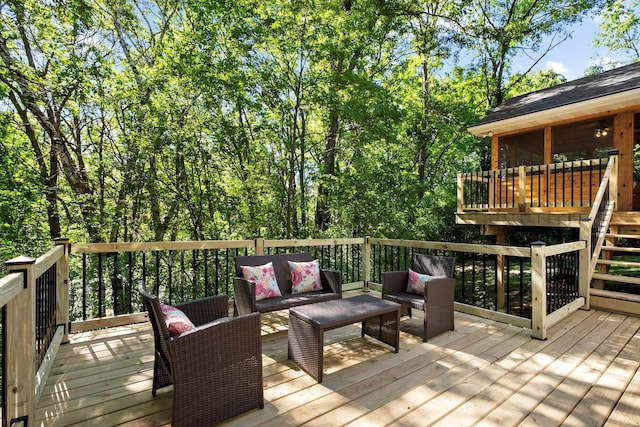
585 140
522 149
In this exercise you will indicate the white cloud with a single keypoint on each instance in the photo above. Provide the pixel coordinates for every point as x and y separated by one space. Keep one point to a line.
558 67
607 63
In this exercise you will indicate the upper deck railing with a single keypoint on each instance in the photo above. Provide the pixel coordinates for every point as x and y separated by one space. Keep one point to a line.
557 186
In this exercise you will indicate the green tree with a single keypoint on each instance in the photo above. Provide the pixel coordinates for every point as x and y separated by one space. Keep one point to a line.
48 64
495 32
619 30
356 49
21 204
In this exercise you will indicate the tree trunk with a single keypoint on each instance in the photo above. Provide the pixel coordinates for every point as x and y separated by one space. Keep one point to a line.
323 216
422 135
48 177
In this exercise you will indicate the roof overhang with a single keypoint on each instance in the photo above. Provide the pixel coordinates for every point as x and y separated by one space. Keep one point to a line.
596 106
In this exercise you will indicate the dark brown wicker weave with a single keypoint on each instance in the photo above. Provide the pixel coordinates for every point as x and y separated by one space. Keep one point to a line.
215 369
437 303
308 323
244 294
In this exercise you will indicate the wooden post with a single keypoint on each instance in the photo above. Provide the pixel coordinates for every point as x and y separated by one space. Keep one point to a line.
522 181
614 184
62 289
259 245
20 339
547 150
539 291
493 190
500 297
495 152
584 275
366 263
623 141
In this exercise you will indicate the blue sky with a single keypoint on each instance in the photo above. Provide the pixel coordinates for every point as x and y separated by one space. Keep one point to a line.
573 56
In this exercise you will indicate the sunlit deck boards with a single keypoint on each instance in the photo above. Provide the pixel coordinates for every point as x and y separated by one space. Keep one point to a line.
484 372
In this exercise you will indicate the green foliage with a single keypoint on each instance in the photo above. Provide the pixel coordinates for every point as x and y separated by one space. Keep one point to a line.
139 120
531 82
498 31
619 30
22 231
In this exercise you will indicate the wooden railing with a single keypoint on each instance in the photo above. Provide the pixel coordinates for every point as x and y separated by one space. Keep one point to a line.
34 299
106 273
566 185
492 281
532 287
593 228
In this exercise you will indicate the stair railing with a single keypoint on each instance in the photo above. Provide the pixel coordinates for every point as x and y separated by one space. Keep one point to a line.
594 227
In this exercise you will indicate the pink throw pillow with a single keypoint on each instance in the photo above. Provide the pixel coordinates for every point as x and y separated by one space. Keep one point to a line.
416 282
265 278
305 277
177 322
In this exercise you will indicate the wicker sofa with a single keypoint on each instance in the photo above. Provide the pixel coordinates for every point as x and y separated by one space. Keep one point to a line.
215 368
437 302
244 290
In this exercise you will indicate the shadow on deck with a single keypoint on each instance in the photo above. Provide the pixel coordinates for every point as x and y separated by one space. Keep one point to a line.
585 373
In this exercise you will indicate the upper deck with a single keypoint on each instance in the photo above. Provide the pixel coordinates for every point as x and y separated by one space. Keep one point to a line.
552 195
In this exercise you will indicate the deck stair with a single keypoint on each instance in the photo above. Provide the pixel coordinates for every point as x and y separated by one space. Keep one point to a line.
616 283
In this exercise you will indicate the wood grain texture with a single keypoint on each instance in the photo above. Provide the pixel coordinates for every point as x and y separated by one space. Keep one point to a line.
484 372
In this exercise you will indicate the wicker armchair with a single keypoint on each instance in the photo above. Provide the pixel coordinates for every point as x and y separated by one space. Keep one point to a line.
437 302
215 369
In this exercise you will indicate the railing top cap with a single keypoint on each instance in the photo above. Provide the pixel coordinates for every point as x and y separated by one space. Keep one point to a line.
23 259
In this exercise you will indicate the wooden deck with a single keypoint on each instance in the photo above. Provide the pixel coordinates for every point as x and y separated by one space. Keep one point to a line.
483 373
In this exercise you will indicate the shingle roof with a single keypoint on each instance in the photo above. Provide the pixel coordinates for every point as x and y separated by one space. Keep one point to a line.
618 80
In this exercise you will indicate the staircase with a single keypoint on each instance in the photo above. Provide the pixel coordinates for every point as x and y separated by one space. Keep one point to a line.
619 266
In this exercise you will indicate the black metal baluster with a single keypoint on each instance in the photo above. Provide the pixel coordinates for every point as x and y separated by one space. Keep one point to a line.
100 288
130 279
508 290
170 274
217 260
521 287
84 286
156 281
205 254
117 286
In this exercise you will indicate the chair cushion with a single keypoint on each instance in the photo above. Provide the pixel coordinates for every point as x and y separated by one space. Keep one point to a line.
406 299
265 278
416 282
305 277
177 322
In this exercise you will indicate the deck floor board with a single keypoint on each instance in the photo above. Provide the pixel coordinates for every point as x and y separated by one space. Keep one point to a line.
482 373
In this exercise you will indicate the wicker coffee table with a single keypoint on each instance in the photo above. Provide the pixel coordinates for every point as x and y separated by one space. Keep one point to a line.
307 324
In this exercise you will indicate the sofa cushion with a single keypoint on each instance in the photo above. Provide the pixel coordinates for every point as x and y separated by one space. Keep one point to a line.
265 278
416 282
289 300
305 277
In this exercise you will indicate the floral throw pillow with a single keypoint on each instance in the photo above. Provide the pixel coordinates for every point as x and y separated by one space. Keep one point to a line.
305 276
265 278
177 322
416 282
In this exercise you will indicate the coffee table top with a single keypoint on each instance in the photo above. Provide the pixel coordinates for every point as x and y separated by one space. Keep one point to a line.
339 312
